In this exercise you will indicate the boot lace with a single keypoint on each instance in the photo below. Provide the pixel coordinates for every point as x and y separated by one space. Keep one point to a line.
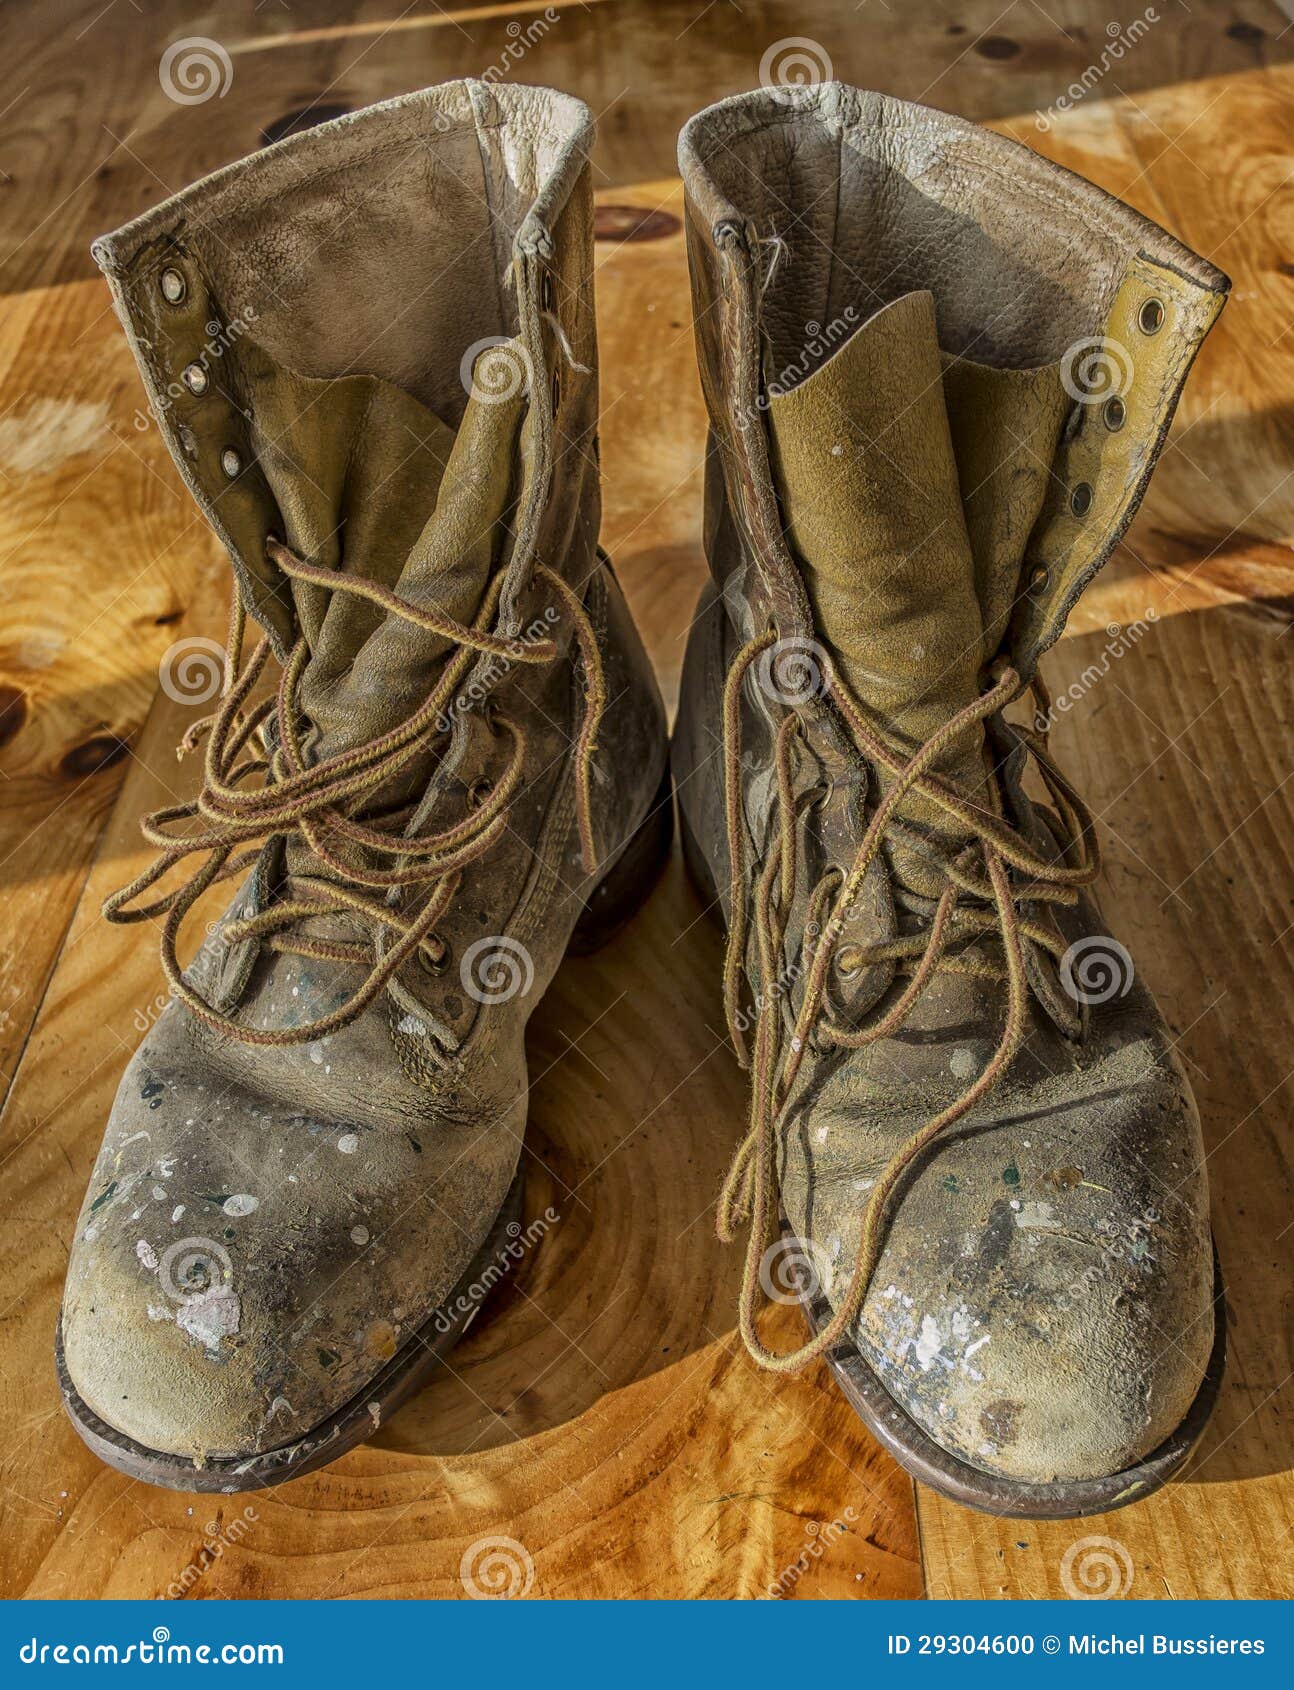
323 804
997 871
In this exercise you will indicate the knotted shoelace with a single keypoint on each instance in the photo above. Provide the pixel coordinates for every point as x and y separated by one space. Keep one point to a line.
322 804
750 1189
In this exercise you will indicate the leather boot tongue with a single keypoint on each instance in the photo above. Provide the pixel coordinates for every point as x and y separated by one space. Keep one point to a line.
371 483
870 497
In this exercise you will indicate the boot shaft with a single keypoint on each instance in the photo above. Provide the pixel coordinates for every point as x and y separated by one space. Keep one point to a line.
375 340
1062 320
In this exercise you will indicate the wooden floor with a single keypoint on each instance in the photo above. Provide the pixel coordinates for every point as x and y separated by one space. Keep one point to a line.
603 1415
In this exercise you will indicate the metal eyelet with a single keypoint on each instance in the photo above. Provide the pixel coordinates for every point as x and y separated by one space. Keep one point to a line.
1114 413
435 966
556 391
546 293
478 792
849 961
1150 319
1039 579
1080 499
195 378
231 463
172 285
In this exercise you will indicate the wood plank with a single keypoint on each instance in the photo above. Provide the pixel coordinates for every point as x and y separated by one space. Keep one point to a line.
1184 750
99 551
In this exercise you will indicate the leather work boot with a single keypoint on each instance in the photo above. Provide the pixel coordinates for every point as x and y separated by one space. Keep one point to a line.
938 372
371 350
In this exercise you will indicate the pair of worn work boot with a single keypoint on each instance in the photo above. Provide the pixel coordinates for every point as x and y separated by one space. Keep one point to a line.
371 350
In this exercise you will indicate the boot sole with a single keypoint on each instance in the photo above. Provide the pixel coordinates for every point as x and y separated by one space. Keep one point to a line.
610 906
916 1450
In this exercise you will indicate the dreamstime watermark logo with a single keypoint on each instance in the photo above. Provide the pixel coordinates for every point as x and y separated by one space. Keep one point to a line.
820 340
496 1569
496 969
1096 369
1120 39
194 70
794 62
1119 641
495 369
195 378
495 669
192 1266
216 1539
820 1539
1130 1241
192 671
1096 969
520 1243
788 1270
522 39
792 671
1096 1569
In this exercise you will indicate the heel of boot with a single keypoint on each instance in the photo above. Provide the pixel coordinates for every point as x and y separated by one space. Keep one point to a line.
624 889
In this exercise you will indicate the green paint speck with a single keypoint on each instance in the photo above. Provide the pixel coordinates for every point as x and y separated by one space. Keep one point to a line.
950 1183
1011 1174
103 1196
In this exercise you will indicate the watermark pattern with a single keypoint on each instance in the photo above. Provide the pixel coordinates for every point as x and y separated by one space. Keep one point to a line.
1132 1242
1096 969
196 376
1120 39
521 40
494 670
195 70
496 969
216 1539
495 370
520 1243
1118 642
192 671
1096 369
193 1265
788 1270
796 61
1096 1569
820 1539
792 671
820 341
496 1569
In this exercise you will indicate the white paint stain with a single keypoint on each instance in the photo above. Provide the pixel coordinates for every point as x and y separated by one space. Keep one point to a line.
348 1143
176 1212
1036 1214
359 1235
210 1316
147 1255
962 1063
241 1203
927 1345
411 1025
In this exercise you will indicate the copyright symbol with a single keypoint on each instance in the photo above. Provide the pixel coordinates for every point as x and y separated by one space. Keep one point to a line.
1051 1645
